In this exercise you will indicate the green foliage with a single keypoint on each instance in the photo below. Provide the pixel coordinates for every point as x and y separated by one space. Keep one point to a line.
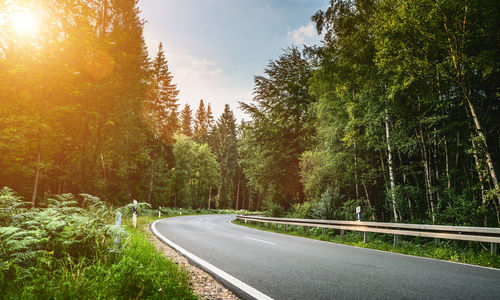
406 80
141 208
224 146
65 251
300 210
279 131
195 174
84 103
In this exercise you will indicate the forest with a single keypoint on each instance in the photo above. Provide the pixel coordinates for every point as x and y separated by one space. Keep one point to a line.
395 111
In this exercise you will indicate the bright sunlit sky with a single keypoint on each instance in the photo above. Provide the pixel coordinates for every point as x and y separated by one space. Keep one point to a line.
216 47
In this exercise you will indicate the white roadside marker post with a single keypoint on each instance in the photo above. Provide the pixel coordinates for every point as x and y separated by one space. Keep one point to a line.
134 214
118 221
159 212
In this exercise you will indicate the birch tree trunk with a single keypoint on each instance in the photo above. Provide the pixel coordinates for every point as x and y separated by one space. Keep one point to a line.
481 178
390 164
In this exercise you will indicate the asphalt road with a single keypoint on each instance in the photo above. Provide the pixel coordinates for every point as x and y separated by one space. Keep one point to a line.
287 267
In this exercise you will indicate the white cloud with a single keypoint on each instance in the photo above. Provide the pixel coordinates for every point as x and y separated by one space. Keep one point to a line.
303 34
201 78
186 65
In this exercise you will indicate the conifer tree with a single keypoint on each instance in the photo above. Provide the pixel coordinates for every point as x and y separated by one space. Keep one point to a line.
223 143
163 105
210 117
186 120
200 123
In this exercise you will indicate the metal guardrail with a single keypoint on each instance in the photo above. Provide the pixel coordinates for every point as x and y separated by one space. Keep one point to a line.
464 233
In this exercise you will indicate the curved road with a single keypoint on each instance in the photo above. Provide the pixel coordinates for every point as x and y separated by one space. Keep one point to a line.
287 267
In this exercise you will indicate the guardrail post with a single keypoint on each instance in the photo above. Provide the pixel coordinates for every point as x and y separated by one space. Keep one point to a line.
341 234
437 241
365 237
396 237
285 227
494 249
307 230
322 231
294 227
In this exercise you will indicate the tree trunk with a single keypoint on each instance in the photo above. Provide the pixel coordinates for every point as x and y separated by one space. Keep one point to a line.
427 174
456 54
238 193
209 197
175 197
410 206
436 166
103 168
37 174
390 164
447 163
150 192
368 199
356 172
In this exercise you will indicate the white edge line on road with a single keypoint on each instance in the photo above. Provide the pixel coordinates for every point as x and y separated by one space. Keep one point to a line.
247 237
213 269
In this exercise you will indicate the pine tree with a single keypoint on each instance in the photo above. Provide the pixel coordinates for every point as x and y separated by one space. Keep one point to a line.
200 123
210 117
223 143
162 110
186 121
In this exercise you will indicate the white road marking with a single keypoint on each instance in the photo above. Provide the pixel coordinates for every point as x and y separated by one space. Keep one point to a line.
252 292
247 237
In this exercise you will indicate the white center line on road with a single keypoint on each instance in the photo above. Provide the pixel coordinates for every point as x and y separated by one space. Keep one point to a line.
260 240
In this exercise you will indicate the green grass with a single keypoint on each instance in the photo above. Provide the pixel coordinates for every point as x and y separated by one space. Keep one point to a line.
139 271
456 251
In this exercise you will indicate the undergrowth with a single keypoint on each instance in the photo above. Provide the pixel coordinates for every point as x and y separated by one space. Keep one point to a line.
66 250
456 251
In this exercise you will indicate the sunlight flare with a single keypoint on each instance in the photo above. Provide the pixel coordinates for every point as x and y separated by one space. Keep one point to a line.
25 22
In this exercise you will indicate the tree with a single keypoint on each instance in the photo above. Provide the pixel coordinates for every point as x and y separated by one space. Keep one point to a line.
162 106
201 128
224 145
196 172
186 120
210 117
72 104
279 131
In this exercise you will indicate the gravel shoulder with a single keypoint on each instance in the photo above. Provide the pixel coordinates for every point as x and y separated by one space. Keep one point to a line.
202 283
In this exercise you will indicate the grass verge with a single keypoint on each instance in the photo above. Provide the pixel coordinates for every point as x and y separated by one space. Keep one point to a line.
138 271
456 251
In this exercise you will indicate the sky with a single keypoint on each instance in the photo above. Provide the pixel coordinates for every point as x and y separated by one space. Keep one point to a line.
215 48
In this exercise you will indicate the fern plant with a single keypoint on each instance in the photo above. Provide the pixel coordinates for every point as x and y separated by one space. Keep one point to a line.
62 229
